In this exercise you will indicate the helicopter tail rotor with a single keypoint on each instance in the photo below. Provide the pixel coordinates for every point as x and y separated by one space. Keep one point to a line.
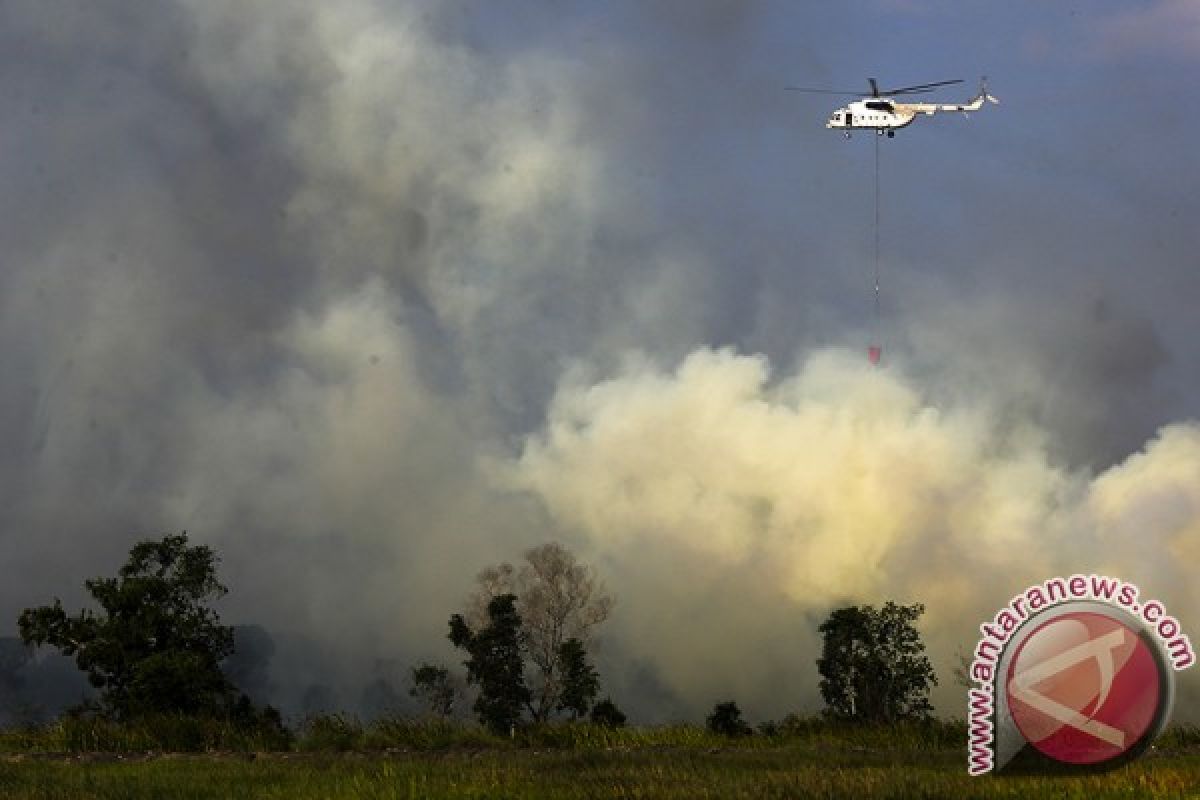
983 91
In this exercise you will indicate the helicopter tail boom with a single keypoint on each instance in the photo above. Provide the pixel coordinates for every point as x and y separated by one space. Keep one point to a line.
974 104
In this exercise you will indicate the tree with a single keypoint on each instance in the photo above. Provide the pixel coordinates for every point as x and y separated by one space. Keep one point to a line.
580 683
156 646
495 665
726 720
557 599
607 714
436 688
873 666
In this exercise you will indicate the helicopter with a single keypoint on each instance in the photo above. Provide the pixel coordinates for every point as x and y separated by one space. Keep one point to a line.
879 112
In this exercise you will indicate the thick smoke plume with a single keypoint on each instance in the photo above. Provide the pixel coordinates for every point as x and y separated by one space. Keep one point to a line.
760 502
370 295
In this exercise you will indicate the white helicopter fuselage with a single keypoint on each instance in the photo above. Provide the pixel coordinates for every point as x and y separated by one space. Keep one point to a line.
884 114
881 114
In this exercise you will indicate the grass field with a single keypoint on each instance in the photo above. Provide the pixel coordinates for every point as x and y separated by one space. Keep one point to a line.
576 762
642 773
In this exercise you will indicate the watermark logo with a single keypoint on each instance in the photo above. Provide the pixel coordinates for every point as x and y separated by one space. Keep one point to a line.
1075 671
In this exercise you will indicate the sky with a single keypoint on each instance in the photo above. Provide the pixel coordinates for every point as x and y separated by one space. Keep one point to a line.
370 295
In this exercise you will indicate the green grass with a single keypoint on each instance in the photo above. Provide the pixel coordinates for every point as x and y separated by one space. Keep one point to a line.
778 772
336 733
161 733
338 757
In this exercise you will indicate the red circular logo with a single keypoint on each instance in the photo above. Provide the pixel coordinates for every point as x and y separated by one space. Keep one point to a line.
1084 688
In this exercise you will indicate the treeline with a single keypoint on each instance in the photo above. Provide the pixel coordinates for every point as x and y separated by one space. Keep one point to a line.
166 673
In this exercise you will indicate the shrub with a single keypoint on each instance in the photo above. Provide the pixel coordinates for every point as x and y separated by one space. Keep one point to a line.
606 713
726 720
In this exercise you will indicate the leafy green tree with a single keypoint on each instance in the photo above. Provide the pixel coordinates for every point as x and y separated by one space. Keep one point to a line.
873 666
580 683
495 665
558 599
156 645
726 719
436 688
607 714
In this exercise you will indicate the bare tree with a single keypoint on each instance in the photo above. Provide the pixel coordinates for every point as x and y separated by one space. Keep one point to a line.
558 599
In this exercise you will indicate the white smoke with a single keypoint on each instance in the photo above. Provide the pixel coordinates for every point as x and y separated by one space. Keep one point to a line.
764 502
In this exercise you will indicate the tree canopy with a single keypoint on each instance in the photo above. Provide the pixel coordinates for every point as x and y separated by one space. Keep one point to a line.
873 666
435 687
156 644
495 665
558 599
607 714
726 719
580 683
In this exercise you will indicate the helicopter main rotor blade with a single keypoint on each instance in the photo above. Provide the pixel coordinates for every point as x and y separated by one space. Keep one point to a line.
821 91
921 87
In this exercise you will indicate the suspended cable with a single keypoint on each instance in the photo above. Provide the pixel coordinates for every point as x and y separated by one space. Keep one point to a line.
875 350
